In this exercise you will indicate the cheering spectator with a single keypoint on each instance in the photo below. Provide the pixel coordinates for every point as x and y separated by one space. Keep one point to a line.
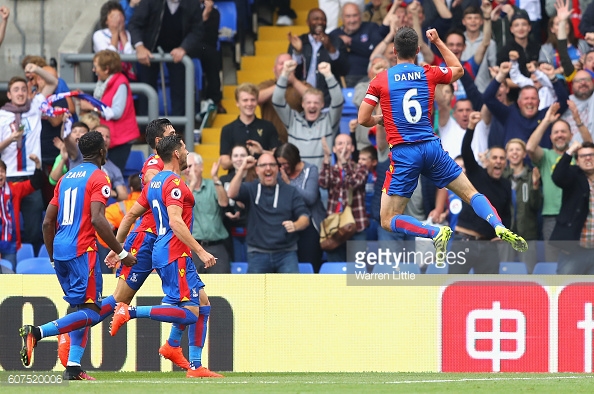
304 177
276 214
526 200
519 120
316 47
236 213
256 134
522 43
114 36
549 52
345 182
306 130
293 95
113 89
208 228
576 218
20 136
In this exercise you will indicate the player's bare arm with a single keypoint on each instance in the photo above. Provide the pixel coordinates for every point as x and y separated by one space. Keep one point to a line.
103 229
366 118
181 231
134 213
449 58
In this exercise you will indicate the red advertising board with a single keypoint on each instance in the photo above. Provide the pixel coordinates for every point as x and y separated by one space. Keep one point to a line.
495 327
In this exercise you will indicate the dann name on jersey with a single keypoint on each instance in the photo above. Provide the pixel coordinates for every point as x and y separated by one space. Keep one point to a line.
407 76
155 185
76 174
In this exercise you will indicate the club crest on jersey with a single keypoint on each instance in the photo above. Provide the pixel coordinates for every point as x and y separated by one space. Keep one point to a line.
444 70
176 193
260 131
176 181
364 37
106 191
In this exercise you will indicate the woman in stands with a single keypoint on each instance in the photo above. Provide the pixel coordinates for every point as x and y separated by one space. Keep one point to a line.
236 214
114 36
113 89
304 177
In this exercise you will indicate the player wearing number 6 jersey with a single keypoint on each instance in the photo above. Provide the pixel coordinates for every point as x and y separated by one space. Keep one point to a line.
74 214
405 94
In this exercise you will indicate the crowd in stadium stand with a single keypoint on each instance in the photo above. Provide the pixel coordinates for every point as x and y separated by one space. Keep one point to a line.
520 121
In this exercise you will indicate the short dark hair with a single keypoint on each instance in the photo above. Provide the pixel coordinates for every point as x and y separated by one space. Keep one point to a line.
91 143
106 9
2 165
472 10
80 124
167 146
370 150
586 144
290 153
16 79
455 32
134 182
154 129
406 42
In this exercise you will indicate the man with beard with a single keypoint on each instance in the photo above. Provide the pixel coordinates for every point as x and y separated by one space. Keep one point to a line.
276 213
546 160
582 87
482 256
315 47
576 218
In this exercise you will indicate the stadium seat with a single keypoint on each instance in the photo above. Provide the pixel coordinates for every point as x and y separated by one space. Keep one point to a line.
43 251
306 268
35 265
339 268
349 108
6 264
545 269
228 26
433 269
25 252
134 163
239 268
517 268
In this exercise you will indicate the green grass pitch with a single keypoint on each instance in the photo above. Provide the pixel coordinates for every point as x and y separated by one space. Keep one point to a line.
234 382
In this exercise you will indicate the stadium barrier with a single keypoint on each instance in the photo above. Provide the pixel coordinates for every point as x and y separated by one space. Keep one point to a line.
319 323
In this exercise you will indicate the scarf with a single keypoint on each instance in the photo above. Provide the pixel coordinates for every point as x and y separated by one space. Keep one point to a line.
100 88
17 110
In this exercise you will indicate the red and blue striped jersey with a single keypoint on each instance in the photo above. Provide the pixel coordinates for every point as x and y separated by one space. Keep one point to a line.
73 195
165 189
147 221
405 94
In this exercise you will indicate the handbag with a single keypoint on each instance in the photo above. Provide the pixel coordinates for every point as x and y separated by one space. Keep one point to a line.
338 228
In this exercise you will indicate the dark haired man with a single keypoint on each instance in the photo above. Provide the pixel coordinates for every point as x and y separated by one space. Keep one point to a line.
73 218
405 93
